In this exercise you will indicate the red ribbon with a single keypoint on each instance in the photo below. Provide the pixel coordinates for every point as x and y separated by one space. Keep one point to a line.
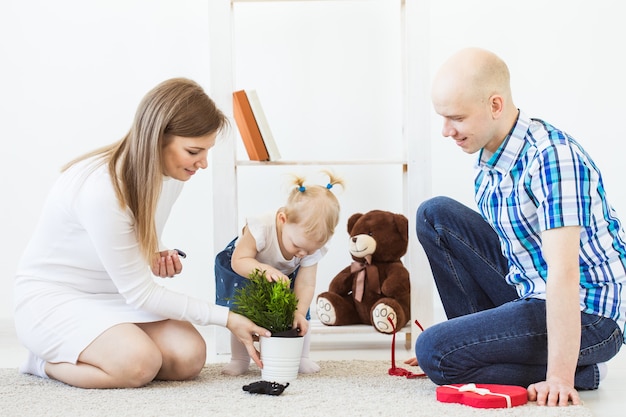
365 269
394 370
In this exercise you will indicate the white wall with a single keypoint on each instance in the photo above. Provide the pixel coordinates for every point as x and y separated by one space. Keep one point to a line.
566 64
74 71
329 76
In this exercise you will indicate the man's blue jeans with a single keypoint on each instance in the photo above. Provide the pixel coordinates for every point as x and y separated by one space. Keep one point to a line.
491 336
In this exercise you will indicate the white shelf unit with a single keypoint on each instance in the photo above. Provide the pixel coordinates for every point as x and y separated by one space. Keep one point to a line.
415 163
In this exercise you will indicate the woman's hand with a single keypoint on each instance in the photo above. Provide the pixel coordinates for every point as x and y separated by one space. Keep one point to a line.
247 332
166 264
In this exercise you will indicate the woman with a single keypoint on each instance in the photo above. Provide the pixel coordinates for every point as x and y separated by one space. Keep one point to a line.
86 304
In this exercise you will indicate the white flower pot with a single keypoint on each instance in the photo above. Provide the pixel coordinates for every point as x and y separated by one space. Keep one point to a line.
281 358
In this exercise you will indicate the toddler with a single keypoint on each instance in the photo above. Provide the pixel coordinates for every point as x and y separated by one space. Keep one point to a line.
287 244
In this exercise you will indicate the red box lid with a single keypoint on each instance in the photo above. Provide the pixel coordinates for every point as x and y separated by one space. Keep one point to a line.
483 395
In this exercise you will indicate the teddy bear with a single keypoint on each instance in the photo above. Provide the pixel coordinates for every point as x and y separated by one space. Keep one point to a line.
376 285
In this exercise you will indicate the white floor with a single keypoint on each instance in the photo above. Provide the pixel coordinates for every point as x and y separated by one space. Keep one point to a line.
608 401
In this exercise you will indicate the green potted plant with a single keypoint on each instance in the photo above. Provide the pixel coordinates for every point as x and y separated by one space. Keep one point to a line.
269 304
272 305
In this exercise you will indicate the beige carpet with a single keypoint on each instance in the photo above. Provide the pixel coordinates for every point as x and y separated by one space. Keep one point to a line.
342 388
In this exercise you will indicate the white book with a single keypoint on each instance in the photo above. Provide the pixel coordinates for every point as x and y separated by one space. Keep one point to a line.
264 127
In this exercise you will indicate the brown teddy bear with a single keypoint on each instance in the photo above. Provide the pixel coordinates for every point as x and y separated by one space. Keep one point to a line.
376 285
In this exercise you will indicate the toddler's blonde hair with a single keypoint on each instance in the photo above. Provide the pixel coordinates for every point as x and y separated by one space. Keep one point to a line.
314 207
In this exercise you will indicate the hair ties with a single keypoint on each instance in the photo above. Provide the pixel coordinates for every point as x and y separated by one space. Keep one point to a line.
302 188
329 186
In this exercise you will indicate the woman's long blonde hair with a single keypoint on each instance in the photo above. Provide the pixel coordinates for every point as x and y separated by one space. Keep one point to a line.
175 107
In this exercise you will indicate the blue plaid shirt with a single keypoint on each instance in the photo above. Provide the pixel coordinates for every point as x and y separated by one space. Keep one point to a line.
540 179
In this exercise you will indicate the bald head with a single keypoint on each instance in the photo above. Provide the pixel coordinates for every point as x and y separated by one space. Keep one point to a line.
474 74
472 92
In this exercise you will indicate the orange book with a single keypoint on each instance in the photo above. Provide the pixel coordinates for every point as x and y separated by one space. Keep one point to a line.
264 127
248 127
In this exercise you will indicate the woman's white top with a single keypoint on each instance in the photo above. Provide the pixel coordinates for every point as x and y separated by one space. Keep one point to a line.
83 272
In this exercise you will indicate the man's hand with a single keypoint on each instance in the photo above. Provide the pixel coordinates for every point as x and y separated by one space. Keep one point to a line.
411 361
553 393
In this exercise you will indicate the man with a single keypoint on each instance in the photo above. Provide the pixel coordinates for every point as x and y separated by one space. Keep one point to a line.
532 284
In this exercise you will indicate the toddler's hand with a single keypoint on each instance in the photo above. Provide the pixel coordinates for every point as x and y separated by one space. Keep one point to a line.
275 275
300 322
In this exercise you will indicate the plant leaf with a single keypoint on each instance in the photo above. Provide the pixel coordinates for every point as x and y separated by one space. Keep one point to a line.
269 304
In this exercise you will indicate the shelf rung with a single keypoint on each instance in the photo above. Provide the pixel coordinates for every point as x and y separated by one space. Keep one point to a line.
354 162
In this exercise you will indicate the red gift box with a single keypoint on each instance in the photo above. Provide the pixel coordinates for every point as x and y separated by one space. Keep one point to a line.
483 395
